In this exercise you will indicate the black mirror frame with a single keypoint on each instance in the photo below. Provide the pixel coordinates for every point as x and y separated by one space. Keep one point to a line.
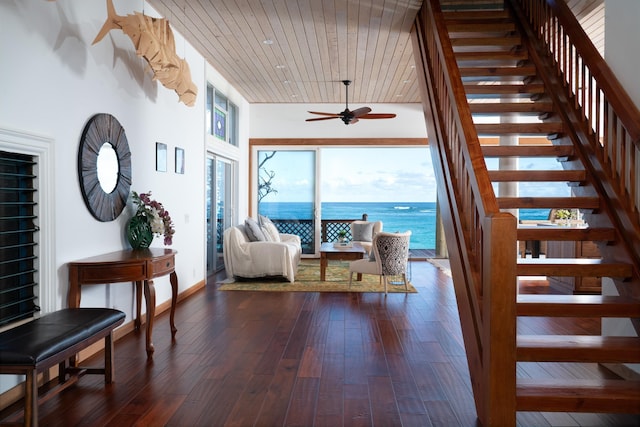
99 129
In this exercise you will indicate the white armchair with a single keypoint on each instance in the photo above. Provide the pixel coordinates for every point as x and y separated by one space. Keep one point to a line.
362 232
244 258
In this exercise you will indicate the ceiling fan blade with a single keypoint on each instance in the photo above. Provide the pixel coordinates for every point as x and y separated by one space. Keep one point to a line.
322 118
378 116
325 114
359 112
352 121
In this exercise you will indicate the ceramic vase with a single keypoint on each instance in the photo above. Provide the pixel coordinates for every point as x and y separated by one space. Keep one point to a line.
139 232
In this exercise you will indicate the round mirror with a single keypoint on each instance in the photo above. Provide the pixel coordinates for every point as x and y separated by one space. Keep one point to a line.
107 167
104 167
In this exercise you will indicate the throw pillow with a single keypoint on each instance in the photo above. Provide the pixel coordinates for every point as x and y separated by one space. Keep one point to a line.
267 236
254 232
363 232
264 220
271 232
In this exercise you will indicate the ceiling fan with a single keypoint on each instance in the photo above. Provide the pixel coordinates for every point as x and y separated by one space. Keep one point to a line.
348 116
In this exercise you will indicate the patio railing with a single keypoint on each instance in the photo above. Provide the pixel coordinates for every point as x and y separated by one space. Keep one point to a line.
305 229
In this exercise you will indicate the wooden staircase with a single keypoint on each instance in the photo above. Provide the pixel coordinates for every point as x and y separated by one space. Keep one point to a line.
509 97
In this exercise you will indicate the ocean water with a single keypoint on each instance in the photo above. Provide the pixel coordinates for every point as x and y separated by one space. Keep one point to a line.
419 218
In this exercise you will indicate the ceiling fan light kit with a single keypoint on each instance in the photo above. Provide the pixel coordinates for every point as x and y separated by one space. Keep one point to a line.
350 117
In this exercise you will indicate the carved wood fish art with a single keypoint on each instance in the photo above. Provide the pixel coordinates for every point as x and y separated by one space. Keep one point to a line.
153 40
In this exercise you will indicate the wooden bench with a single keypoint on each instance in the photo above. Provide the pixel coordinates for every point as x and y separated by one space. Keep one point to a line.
53 339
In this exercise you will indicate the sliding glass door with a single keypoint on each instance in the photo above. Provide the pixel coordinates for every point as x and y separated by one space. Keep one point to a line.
219 204
287 193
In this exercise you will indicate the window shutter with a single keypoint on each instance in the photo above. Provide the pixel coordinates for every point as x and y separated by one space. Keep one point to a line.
18 245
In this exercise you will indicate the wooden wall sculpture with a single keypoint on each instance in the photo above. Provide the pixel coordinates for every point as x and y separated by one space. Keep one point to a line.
153 40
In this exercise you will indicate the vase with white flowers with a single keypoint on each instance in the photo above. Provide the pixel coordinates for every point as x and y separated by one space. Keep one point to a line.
150 219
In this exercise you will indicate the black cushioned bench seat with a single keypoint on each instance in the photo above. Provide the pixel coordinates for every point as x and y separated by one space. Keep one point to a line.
53 339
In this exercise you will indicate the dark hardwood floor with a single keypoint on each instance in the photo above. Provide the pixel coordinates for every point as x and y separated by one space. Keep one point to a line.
306 359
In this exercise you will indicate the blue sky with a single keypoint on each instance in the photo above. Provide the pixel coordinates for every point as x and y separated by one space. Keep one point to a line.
375 175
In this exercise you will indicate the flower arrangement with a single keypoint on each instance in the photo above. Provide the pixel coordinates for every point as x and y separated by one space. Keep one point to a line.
563 214
154 215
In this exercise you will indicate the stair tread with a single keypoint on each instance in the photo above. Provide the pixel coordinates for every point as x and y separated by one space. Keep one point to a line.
578 348
563 395
527 150
489 89
572 267
480 27
538 175
510 107
562 233
476 14
577 306
498 71
490 55
542 128
508 40
549 202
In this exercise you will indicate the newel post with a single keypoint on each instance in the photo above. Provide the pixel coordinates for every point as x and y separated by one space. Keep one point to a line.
499 286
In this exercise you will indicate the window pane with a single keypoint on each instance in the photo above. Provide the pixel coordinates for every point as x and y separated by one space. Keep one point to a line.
394 185
287 195
233 124
221 101
220 122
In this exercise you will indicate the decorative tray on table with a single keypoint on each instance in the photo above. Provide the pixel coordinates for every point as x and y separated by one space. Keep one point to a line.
342 245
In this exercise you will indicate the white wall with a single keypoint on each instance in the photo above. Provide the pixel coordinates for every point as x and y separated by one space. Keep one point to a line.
622 52
288 121
54 80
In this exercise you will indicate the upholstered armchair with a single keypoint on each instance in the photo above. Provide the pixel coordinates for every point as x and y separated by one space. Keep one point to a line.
390 256
362 232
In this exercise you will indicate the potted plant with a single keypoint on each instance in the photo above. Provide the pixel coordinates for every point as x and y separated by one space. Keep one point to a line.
342 236
563 215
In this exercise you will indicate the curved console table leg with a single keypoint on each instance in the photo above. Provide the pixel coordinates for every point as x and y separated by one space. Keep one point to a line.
150 297
173 278
137 321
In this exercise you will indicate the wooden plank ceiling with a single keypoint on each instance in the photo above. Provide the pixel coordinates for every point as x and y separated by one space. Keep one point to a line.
314 44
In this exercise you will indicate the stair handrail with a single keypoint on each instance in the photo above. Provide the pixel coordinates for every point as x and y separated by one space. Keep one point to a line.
611 115
480 238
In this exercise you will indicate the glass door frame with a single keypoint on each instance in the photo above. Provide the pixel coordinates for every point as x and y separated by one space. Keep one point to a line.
230 207
253 187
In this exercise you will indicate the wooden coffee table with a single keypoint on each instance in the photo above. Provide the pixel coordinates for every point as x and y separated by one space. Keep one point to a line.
330 253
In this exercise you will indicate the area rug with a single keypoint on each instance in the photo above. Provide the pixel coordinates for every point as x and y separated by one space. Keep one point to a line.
308 280
442 264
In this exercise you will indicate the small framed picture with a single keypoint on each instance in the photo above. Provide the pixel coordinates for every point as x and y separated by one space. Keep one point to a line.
179 160
161 157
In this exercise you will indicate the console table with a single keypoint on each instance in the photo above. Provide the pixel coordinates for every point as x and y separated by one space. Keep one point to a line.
140 266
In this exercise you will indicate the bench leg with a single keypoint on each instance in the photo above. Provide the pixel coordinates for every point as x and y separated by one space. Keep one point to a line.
62 371
31 399
108 359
